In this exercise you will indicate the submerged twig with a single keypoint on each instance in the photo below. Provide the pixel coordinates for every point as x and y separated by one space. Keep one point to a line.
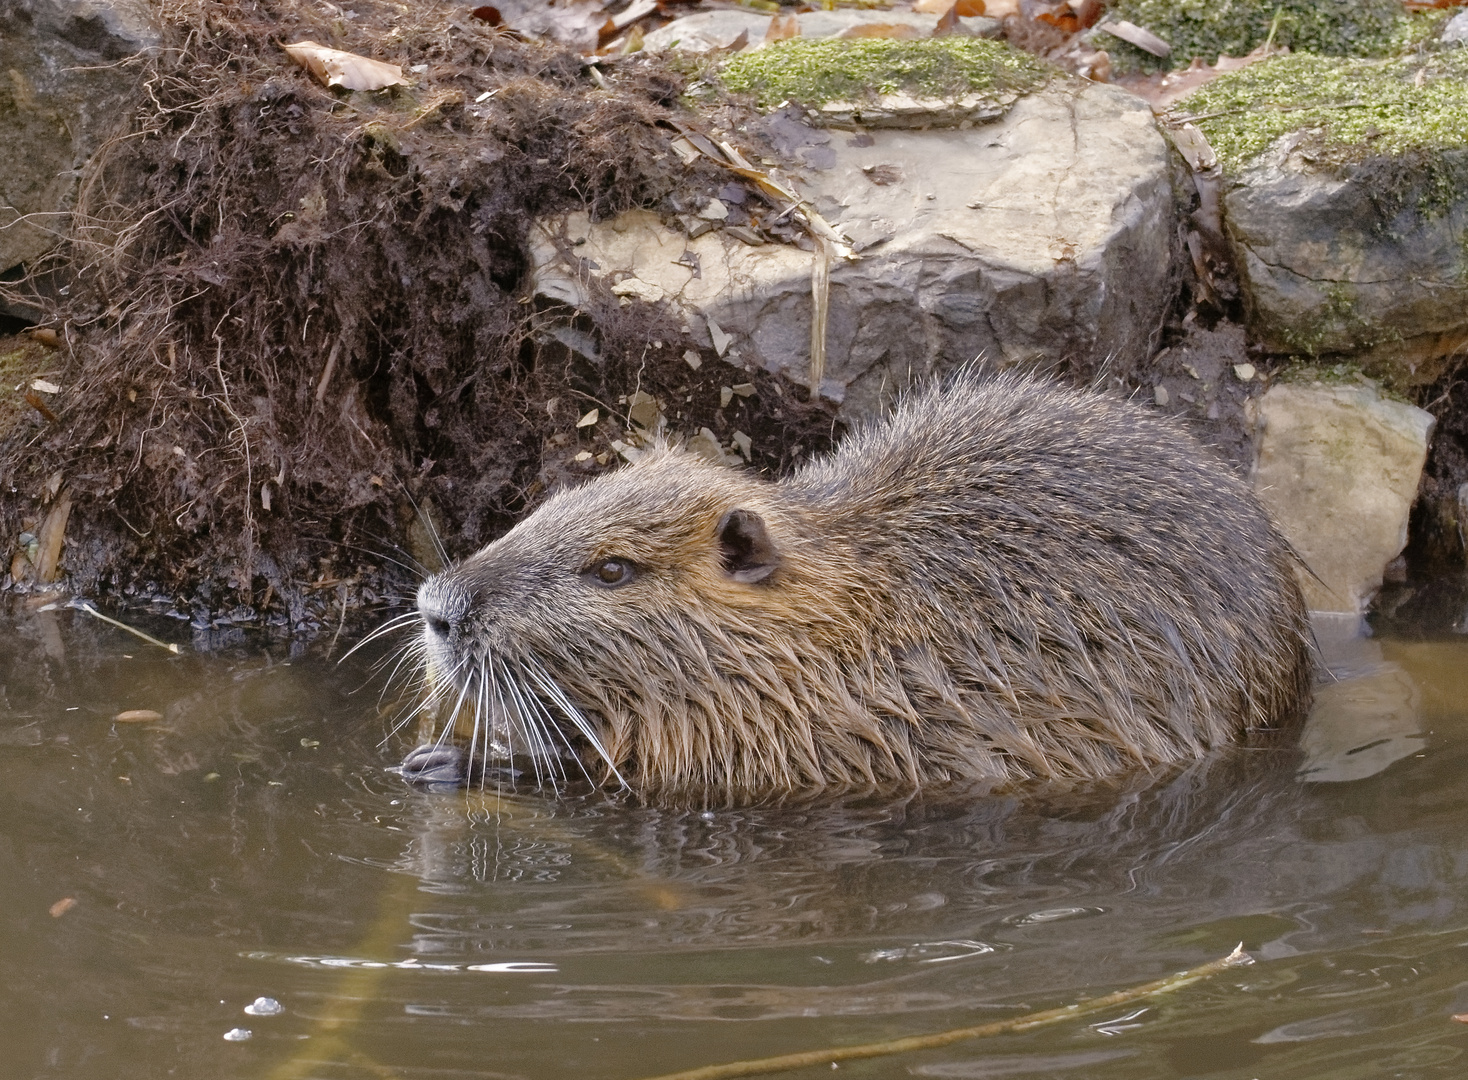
83 605
808 1058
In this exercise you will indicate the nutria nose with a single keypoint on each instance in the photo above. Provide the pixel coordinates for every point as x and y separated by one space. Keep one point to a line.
441 611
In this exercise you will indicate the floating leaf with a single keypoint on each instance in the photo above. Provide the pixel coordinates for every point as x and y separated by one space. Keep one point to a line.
138 716
347 70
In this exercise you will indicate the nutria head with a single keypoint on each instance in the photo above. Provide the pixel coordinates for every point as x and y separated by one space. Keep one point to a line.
636 625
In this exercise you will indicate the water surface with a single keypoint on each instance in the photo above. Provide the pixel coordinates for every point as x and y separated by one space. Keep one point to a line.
251 843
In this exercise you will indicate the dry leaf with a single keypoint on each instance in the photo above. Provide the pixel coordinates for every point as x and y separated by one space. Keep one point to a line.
1136 35
782 28
138 716
37 402
62 906
45 386
880 30
347 70
1175 85
1086 11
636 10
589 419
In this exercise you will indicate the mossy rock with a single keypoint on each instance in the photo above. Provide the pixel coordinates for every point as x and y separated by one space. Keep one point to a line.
1347 110
858 79
1206 29
1345 204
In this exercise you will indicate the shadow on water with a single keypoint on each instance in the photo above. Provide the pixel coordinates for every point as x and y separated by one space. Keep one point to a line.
250 842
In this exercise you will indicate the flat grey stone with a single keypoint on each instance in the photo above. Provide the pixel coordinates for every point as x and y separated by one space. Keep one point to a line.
1043 236
709 30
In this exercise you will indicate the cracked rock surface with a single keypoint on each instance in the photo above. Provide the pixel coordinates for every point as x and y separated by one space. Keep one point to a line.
63 89
1044 236
1366 259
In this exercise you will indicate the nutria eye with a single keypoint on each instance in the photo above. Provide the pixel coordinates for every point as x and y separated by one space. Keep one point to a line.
612 572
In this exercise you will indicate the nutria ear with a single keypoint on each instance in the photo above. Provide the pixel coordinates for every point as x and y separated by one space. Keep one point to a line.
745 546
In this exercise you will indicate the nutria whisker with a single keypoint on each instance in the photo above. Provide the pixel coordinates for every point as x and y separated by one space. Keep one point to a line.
543 681
397 622
481 724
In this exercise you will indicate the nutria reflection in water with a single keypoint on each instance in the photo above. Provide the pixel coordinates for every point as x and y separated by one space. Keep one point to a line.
1004 580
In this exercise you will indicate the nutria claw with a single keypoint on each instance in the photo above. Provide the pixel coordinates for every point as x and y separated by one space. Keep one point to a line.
436 764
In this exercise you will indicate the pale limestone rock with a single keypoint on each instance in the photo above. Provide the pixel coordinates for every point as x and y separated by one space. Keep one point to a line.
709 30
63 91
1047 234
1338 469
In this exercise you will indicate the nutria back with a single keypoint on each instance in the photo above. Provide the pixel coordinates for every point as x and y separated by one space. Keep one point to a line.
1005 579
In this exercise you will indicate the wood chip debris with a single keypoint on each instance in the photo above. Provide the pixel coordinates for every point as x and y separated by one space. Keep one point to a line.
1193 145
720 339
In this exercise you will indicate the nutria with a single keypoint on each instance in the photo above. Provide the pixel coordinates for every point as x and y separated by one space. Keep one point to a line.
1005 579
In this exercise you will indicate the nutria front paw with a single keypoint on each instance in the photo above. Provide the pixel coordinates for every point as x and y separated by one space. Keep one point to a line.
437 764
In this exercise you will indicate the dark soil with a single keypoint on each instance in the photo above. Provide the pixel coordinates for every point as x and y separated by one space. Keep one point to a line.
1438 526
297 321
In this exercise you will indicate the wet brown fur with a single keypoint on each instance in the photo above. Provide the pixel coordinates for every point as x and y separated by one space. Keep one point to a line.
1006 579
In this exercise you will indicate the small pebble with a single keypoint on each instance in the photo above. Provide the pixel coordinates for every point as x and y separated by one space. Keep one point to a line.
1159 392
1245 372
237 1034
264 1006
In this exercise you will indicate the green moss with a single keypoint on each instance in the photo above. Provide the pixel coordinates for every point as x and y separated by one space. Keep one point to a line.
1300 370
1206 28
1347 110
814 72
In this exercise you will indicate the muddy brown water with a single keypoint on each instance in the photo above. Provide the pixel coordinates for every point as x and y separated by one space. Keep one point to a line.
252 844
